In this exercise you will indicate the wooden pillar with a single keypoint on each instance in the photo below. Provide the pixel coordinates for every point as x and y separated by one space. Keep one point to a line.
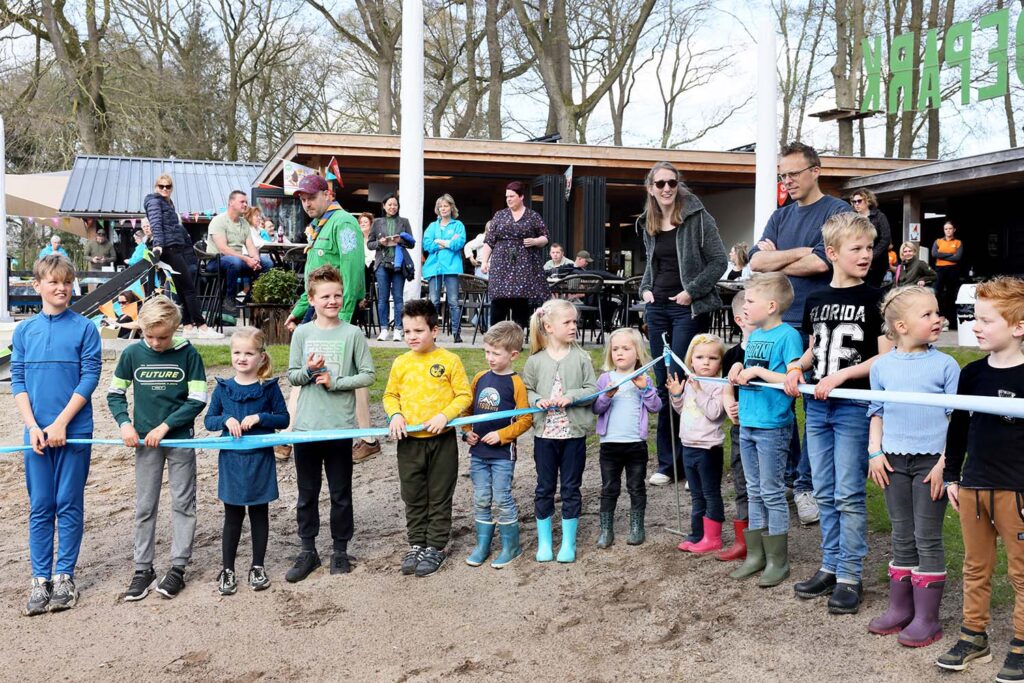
911 214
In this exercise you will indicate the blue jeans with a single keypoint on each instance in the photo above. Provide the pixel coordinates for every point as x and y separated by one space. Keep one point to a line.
233 268
704 474
837 442
389 284
559 461
492 482
56 495
451 288
681 328
798 465
763 452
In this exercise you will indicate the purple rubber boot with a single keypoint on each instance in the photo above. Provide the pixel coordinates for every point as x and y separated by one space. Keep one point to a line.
901 604
925 629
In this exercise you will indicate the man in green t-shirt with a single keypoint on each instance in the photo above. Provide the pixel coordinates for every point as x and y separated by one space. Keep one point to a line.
229 234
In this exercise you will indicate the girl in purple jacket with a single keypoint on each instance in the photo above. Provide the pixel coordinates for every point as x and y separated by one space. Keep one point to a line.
622 418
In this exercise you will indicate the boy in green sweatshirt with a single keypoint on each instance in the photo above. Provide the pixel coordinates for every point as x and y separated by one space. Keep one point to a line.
169 386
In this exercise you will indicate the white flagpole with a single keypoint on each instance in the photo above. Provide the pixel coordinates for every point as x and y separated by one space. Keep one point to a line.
5 309
410 183
766 187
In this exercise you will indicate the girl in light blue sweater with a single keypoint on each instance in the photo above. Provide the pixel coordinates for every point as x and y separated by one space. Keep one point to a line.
905 459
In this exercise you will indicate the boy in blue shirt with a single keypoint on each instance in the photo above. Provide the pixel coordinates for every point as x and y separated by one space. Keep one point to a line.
766 424
55 367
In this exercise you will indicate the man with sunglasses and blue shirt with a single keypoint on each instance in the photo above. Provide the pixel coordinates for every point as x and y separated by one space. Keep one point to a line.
791 243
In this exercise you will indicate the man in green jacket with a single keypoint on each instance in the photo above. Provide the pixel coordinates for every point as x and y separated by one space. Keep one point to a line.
336 241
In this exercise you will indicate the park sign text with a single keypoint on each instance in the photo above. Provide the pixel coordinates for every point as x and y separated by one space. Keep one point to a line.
956 53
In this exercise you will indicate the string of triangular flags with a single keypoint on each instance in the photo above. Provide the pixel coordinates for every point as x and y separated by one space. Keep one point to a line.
55 221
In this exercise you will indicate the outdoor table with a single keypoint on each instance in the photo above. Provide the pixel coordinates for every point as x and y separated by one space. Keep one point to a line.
278 251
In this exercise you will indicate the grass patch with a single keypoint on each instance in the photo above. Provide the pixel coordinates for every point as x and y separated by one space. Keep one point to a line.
878 518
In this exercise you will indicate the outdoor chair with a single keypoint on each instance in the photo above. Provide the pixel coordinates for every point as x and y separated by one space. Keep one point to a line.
633 306
585 293
473 297
210 288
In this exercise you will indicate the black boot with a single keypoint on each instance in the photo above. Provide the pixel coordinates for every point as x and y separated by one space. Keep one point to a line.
822 583
607 536
636 527
845 598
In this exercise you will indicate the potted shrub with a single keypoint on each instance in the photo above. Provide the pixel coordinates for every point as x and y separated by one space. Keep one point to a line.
273 296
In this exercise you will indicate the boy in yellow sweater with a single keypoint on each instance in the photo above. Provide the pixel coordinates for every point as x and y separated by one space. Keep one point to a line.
427 386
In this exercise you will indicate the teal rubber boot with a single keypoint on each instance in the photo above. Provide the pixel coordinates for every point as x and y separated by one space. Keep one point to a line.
607 536
484 534
544 553
510 548
567 553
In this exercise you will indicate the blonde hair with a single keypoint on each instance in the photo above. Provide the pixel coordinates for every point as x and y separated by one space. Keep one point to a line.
551 308
775 286
505 335
1006 294
55 264
164 178
701 340
845 226
256 337
741 250
321 275
251 213
653 208
447 199
643 357
911 244
897 303
159 310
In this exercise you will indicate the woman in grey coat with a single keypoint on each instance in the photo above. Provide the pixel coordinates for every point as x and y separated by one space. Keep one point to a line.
685 258
390 236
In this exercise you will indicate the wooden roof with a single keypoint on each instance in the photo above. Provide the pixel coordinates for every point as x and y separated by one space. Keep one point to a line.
379 154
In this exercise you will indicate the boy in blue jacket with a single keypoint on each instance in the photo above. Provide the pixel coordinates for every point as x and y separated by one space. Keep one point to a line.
55 367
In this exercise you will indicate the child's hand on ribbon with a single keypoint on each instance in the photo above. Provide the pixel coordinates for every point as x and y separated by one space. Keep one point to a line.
396 428
641 381
156 435
37 439
436 424
56 435
234 427
129 435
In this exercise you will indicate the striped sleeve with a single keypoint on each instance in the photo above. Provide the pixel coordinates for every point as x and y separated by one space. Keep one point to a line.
185 415
522 423
117 393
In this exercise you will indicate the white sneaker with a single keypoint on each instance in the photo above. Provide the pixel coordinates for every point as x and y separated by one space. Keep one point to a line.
659 479
397 336
383 336
806 507
209 333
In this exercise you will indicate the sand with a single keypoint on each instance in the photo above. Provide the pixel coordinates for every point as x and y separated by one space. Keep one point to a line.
627 613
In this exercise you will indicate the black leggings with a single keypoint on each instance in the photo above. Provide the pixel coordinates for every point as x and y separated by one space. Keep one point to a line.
259 525
191 313
518 309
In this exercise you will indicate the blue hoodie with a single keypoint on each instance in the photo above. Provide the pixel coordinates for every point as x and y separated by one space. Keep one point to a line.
448 260
54 357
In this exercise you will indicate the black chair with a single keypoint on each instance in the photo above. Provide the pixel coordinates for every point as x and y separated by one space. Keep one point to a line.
473 297
367 317
585 293
210 288
633 306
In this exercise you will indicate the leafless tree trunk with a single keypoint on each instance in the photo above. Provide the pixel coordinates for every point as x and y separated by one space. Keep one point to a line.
906 147
798 79
846 73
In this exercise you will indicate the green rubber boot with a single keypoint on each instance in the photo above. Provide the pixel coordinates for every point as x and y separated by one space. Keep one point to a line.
755 561
484 535
776 550
636 527
607 536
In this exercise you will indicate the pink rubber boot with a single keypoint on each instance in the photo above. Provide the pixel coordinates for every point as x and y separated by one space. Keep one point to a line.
712 540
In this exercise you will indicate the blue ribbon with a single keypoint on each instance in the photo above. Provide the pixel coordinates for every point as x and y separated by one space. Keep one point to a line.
250 442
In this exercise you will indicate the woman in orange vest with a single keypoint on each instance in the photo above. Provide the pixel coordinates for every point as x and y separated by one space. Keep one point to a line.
947 252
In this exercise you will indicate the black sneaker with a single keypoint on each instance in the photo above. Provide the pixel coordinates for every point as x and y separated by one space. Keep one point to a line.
39 598
970 647
143 581
1013 665
411 559
258 579
430 562
340 563
228 582
305 563
822 583
845 598
172 583
65 594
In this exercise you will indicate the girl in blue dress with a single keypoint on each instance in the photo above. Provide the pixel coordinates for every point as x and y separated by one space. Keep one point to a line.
249 403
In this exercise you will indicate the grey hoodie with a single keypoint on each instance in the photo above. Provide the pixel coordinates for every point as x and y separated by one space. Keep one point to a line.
702 256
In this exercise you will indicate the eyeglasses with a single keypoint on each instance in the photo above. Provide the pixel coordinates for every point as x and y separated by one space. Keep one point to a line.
793 174
856 201
660 184
165 187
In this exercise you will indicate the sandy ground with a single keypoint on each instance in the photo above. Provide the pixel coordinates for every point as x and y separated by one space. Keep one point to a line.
627 613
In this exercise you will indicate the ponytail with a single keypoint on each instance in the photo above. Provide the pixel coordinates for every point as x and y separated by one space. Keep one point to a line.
538 335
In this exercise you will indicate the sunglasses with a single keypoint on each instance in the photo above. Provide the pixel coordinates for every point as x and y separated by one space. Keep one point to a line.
165 187
857 201
660 184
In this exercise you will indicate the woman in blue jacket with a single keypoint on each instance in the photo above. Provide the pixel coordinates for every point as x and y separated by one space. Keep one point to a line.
443 242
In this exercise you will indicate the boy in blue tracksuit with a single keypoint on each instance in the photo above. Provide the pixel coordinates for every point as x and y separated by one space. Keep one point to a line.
55 367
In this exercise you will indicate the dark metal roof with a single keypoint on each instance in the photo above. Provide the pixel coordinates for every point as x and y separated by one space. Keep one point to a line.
955 176
114 187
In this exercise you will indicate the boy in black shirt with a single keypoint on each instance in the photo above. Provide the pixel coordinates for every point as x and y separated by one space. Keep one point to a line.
845 327
989 493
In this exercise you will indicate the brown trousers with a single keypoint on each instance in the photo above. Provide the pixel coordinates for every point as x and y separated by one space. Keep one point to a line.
984 516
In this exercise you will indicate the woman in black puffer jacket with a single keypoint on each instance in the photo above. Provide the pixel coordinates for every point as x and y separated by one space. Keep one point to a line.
172 245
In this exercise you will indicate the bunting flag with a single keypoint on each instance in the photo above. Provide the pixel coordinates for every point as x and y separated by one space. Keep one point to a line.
783 195
293 174
107 310
334 172
267 186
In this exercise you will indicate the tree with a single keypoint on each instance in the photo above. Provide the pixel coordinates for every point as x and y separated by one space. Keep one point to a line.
802 29
846 73
548 35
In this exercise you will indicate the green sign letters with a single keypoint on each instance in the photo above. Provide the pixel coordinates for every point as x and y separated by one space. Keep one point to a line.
956 53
